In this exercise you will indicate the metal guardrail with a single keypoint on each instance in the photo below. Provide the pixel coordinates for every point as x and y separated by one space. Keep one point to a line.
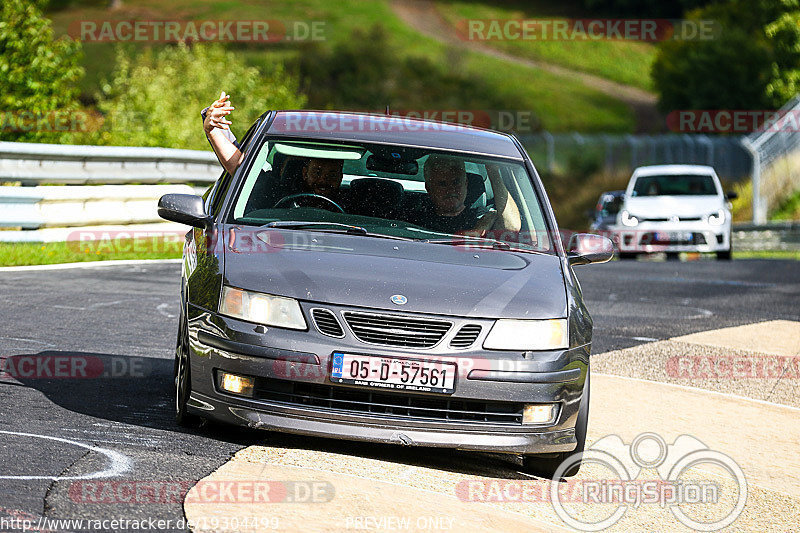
776 162
72 206
773 236
32 164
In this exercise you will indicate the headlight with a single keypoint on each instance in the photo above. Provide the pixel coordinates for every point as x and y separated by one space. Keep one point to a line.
262 308
628 219
528 335
717 218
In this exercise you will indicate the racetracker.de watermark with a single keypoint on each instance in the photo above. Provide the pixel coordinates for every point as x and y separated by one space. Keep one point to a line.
734 367
164 31
408 120
73 366
593 29
742 121
55 121
202 492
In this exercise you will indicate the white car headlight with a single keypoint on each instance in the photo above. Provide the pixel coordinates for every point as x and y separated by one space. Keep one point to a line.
527 335
262 308
717 218
627 219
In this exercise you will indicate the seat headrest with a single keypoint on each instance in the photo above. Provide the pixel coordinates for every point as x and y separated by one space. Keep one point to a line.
476 191
375 196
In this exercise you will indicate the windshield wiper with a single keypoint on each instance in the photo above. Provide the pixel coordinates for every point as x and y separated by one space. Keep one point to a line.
329 226
333 227
475 241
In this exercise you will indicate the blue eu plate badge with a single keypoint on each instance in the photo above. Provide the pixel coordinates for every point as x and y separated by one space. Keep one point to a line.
338 361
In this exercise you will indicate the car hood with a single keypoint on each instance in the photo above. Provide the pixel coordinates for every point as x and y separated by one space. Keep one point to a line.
667 206
366 272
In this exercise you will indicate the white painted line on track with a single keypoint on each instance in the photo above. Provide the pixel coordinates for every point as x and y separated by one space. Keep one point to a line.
88 264
119 463
162 308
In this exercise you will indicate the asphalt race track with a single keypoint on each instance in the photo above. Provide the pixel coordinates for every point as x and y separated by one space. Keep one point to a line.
118 421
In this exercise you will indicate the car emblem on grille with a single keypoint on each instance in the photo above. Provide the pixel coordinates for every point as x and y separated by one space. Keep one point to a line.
399 299
674 219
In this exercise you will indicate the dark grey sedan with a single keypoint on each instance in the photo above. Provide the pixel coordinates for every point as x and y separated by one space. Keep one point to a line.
385 279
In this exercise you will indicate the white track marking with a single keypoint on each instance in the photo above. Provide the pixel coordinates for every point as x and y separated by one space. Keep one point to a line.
119 463
89 264
162 308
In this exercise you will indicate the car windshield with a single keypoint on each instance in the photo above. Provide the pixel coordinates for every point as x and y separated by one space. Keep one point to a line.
677 185
392 191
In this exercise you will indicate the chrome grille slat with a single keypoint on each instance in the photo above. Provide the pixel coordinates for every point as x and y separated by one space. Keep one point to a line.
396 330
327 323
466 336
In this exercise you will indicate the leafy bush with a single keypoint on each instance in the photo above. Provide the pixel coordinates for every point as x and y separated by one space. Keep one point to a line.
754 62
37 74
155 98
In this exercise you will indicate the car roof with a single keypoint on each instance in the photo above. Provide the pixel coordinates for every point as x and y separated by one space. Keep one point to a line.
670 170
393 129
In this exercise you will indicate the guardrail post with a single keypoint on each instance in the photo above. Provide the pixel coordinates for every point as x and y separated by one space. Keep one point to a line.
759 213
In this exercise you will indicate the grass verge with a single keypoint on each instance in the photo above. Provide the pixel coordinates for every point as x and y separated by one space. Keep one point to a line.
768 254
36 253
626 62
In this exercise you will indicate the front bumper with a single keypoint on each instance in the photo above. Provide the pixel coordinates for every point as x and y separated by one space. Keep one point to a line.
303 359
651 237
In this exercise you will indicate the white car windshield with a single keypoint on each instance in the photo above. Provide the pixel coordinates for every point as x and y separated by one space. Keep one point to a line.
675 185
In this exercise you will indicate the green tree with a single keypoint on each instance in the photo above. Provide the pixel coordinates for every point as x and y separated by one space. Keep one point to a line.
37 74
154 97
752 63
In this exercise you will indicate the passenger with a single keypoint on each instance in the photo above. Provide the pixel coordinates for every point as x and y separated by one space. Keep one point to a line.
444 209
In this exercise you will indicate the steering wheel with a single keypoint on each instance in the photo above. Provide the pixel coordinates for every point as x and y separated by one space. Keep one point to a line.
295 197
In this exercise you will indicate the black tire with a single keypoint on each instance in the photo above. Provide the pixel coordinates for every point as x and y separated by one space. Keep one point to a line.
627 255
546 467
724 255
183 377
673 256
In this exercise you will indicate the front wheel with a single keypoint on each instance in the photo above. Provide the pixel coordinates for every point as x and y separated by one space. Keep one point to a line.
546 466
724 255
183 376
627 255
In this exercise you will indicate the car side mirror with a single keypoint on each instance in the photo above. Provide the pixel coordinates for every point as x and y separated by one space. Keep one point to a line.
731 195
185 209
587 248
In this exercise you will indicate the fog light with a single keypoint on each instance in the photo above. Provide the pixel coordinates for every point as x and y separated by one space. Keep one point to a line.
538 413
242 385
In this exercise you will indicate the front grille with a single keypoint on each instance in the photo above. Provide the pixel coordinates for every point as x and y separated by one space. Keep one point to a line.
465 336
395 330
407 406
326 323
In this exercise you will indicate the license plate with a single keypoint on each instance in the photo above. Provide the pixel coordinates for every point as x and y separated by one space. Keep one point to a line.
673 236
392 373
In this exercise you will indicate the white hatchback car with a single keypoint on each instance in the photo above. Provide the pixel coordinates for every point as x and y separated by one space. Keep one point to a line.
675 208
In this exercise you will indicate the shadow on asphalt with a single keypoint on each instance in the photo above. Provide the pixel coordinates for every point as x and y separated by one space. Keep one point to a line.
125 389
139 391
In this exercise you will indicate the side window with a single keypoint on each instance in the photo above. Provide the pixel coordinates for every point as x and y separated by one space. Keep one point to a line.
220 189
208 196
